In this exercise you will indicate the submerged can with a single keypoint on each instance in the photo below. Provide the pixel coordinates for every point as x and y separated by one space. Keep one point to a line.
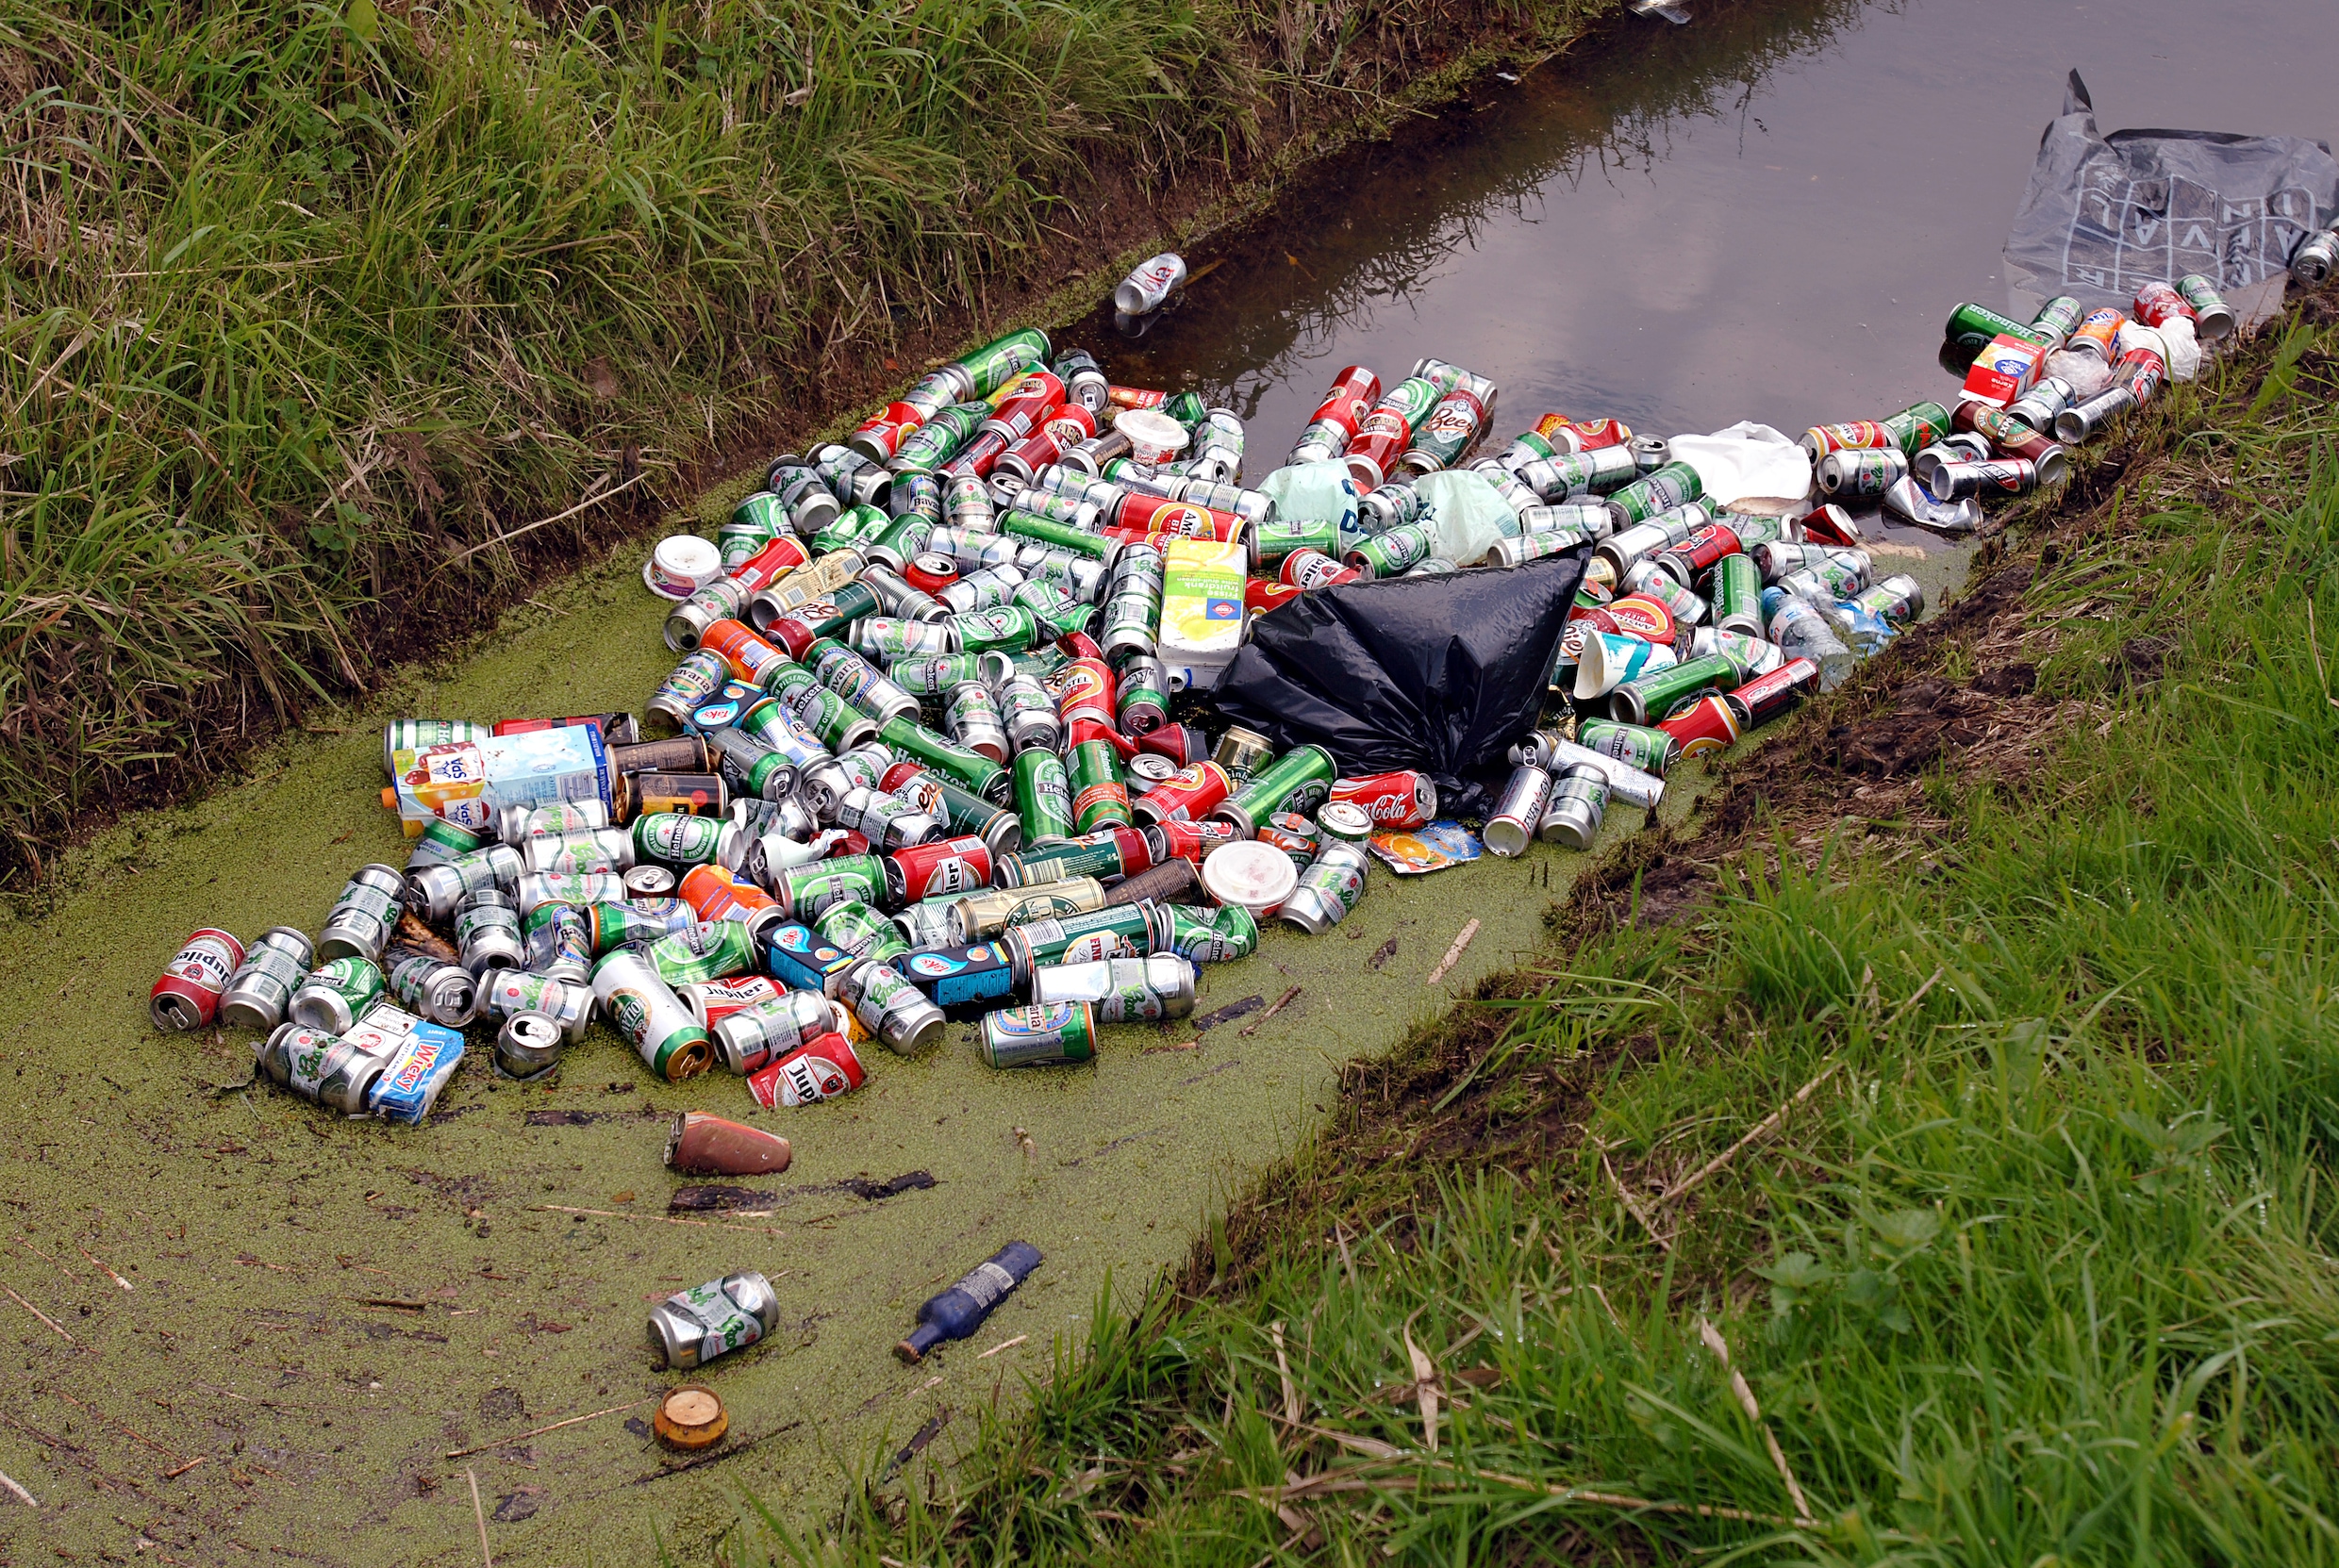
188 993
1043 1036
693 1327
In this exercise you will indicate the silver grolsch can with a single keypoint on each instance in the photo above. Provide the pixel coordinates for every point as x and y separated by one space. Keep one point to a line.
1512 827
693 1327
1121 990
754 1035
1331 885
1578 802
361 920
443 993
528 1046
435 891
508 992
273 969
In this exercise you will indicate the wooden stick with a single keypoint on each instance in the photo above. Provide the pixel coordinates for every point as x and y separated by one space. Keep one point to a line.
480 1515
1292 1409
175 1475
507 539
539 1431
1279 1005
17 1491
1453 955
1762 1128
101 1262
1002 1345
1632 1208
39 1313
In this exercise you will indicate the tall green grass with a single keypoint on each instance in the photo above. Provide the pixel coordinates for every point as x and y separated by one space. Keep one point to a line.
305 303
2042 1272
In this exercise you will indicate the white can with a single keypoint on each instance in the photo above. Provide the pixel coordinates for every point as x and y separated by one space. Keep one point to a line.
1154 281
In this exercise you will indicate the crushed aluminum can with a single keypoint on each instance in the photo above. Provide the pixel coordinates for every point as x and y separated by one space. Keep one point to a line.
693 1327
528 1046
1333 885
1912 500
1150 284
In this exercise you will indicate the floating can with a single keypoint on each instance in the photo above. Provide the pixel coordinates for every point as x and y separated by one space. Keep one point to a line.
188 993
1869 471
486 930
1519 811
1331 885
320 1066
505 992
361 920
1150 284
337 993
892 1009
1047 1035
693 1327
443 993
643 1007
1227 938
261 989
1120 990
751 1037
1572 817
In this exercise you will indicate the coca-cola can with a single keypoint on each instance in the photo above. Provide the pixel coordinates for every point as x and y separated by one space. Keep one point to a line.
188 995
1396 801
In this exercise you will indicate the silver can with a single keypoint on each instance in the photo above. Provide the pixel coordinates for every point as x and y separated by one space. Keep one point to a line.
587 850
971 718
927 925
1963 447
986 588
435 891
1032 721
892 1009
2080 421
321 1065
1651 452
1121 990
560 943
651 881
507 992
1512 827
361 920
568 887
517 824
1333 885
528 1046
443 993
274 968
754 1035
899 596
1579 800
888 821
2051 395
1863 472
693 1327
487 931
2311 263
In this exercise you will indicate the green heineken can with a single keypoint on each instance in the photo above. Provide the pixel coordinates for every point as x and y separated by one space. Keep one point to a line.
1919 427
1187 408
854 524
1230 935
337 993
1972 327
1008 628
623 923
1650 698
862 932
903 539
1738 595
1300 780
1660 490
807 892
1045 1036
642 1005
1044 797
752 523
835 722
971 769
1395 552
1649 749
936 441
439 842
1099 798
995 364
1272 541
710 949
1063 535
933 676
677 838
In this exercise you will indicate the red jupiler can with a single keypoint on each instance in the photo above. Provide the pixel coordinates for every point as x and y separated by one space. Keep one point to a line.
710 1001
1705 725
1191 793
1260 596
942 866
188 995
1311 569
1189 840
820 1069
1393 800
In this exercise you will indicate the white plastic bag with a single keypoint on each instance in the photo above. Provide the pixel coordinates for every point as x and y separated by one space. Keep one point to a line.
1746 462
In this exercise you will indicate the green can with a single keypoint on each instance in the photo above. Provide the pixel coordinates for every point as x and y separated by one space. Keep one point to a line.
1972 327
936 441
1099 798
1126 931
2058 319
1187 408
1919 427
996 363
1655 696
337 993
807 892
617 924
707 950
837 723
904 537
1052 1035
677 838
752 523
1395 552
1738 595
441 841
1009 628
1660 490
1272 542
1044 797
1099 857
1063 535
1230 935
855 523
828 616
935 676
966 811
1651 750
1300 780
971 769
862 932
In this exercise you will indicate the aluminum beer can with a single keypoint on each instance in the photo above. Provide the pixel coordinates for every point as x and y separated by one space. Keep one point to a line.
938 868
2311 263
1649 749
337 993
1519 813
1869 471
988 914
971 718
436 890
442 992
693 1327
528 1046
751 1037
862 932
262 988
1674 485
1331 885
1738 588
2209 308
1395 802
1999 476
640 1002
1035 1037
892 1008
1116 931
1099 798
1120 990
1228 936
1300 780
2048 396
2080 421
323 1066
711 1001
1044 797
363 916
559 940
1771 693
188 993
698 677
486 930
649 881
1572 817
505 992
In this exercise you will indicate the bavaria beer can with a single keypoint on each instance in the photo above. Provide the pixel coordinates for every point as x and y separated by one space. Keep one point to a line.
1862 471
693 1327
188 995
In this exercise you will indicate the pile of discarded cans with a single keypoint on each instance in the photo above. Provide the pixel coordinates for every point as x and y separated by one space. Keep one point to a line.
925 753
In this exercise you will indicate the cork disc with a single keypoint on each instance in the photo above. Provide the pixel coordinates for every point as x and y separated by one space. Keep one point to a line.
691 1417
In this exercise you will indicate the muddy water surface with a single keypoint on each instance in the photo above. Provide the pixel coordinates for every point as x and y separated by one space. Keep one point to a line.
241 1331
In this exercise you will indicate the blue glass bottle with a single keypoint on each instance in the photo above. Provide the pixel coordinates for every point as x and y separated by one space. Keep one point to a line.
960 1309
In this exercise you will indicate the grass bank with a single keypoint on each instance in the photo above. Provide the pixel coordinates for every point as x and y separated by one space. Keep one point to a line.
1921 1163
331 328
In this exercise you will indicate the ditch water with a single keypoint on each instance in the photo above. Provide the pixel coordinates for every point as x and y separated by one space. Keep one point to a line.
1766 214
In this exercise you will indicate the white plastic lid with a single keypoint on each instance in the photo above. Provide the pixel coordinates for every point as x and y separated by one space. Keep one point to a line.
1154 437
680 566
1258 876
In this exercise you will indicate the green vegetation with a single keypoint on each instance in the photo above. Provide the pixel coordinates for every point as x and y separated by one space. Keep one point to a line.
2039 1273
310 307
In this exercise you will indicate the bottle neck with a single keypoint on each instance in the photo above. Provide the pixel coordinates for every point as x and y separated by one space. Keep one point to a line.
921 1339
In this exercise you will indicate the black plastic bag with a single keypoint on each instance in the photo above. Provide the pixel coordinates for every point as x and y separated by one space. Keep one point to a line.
2106 214
1442 674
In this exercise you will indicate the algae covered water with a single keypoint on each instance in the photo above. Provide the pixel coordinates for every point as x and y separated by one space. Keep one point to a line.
262 1332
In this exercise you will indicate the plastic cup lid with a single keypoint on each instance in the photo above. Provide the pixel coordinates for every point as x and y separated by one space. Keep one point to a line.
1151 430
680 566
1256 875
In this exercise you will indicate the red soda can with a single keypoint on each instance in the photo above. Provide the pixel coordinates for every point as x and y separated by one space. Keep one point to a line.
1071 423
942 866
1086 694
1636 615
1333 425
2158 303
1765 697
609 724
188 995
1380 441
750 656
1152 514
1697 552
772 562
820 1069
2141 371
850 844
1189 840
880 435
1311 569
1037 396
1590 435
1180 743
931 571
715 893
981 453
1079 645
711 1000
1032 453
1188 795
1135 397
1261 595
1706 725
1831 525
1398 800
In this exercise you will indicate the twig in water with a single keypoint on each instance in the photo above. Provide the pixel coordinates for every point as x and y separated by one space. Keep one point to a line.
1279 1005
1002 1345
1760 1130
17 1491
539 1431
1453 955
101 1262
1632 1208
480 1516
175 1475
39 1313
